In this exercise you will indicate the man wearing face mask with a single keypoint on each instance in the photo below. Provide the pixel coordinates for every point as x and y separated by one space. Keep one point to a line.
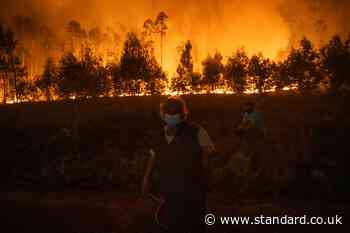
251 131
177 169
252 121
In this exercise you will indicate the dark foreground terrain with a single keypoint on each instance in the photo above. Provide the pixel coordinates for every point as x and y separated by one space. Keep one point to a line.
77 166
109 213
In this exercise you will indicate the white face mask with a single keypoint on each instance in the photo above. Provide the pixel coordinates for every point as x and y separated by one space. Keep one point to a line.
172 120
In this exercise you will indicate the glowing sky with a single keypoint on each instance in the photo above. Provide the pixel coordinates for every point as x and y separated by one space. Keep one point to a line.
267 26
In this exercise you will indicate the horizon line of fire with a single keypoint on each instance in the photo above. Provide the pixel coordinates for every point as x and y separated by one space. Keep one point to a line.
217 91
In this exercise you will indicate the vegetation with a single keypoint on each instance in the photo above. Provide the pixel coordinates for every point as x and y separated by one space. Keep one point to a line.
11 69
184 72
96 143
212 70
82 72
103 144
236 71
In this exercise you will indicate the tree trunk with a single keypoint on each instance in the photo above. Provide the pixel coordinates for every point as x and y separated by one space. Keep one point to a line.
161 50
16 89
48 98
5 88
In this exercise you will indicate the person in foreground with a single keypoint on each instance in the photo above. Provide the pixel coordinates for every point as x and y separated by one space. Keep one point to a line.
252 120
251 132
177 169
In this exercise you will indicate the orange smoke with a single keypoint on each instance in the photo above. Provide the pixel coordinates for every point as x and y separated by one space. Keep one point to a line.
255 27
213 26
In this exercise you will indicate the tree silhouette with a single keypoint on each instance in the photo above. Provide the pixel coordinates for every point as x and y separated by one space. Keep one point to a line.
91 82
156 82
47 82
196 81
94 74
18 71
212 70
147 32
304 66
7 57
148 27
137 64
116 78
235 71
77 34
132 61
137 70
336 61
260 69
157 26
95 36
161 28
104 81
280 76
27 90
69 77
182 80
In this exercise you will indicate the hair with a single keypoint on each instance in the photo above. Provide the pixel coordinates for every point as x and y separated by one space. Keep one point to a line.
250 104
174 105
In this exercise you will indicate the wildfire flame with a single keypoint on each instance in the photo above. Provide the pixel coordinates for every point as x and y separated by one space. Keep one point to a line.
218 91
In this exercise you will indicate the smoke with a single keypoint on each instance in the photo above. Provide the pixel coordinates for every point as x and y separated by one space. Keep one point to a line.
222 25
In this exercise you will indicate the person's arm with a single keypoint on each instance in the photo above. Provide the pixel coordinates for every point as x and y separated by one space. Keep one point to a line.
207 145
146 178
244 123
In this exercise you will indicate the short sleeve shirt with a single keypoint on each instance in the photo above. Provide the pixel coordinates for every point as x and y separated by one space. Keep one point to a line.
255 119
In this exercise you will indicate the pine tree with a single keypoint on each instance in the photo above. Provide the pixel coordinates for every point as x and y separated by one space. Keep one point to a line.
182 80
235 71
47 82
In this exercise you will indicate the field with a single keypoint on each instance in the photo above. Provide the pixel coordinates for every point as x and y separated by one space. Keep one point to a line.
77 166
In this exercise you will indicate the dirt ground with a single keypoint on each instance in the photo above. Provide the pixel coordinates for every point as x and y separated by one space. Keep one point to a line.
115 213
76 148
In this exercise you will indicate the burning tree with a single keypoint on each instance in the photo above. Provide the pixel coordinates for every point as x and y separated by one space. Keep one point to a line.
69 82
10 64
161 27
158 26
304 66
212 70
18 72
138 65
280 76
114 72
196 81
76 33
336 61
182 80
30 35
235 71
47 82
156 83
260 69
93 75
96 37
